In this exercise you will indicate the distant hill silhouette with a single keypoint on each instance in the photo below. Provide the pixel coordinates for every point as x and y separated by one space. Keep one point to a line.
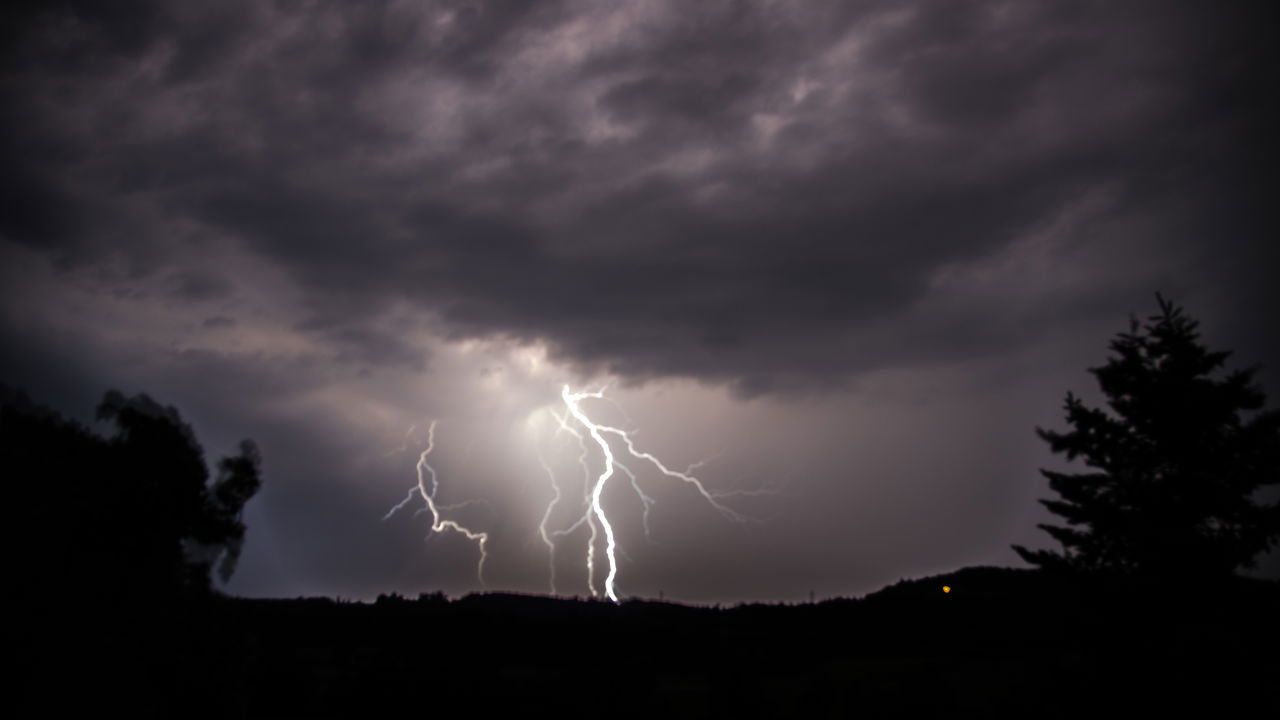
1001 643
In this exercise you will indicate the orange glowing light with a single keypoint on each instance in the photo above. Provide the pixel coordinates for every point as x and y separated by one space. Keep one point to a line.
946 588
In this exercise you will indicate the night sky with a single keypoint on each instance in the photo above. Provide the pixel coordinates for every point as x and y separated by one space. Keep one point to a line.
850 254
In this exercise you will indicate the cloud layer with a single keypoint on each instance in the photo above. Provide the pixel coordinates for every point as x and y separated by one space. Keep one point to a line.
762 193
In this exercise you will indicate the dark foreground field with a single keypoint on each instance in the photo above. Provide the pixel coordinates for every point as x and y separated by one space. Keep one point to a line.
1001 643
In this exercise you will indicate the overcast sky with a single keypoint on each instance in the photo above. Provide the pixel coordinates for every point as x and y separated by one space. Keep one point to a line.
848 253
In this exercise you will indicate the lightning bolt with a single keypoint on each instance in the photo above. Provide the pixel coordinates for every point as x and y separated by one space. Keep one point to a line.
614 445
596 512
571 401
438 523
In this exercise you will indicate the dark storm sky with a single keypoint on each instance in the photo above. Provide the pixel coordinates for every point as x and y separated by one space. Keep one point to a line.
852 251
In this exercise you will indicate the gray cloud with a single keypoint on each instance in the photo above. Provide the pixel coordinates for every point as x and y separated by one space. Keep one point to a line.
733 192
219 321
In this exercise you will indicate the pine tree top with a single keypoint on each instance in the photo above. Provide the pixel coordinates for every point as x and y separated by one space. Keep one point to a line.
1175 461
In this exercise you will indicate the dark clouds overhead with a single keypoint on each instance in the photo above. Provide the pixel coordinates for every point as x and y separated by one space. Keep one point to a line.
752 192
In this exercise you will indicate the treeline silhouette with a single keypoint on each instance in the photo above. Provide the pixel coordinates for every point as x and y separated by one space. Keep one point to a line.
1001 643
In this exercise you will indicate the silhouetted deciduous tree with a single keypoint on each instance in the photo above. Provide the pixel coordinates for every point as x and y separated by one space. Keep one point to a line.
133 514
1175 464
195 523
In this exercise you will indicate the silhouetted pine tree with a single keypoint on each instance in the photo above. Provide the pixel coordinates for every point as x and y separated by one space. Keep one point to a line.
1175 465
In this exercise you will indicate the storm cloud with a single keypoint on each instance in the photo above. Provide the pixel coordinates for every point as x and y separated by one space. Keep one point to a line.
757 193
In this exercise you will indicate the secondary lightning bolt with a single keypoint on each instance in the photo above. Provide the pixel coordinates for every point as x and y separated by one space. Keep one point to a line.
439 524
645 501
546 517
685 476
587 517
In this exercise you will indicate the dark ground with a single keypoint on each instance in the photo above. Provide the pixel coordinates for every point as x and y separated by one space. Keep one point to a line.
1001 643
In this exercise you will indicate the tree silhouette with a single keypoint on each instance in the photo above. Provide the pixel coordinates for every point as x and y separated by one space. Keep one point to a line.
193 523
1175 465
129 515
